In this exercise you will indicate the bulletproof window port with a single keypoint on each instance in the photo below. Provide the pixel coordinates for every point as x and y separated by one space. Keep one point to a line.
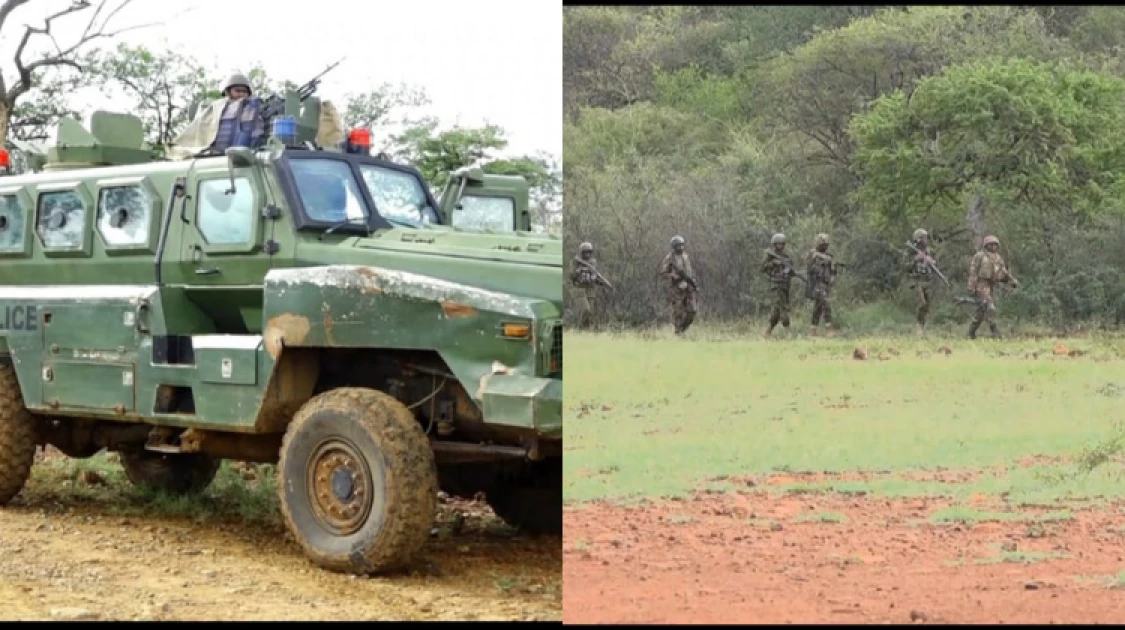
11 224
124 215
62 219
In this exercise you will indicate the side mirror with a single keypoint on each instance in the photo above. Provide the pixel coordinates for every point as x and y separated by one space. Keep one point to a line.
238 157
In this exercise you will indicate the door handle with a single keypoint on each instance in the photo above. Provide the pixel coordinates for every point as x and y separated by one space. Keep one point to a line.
207 272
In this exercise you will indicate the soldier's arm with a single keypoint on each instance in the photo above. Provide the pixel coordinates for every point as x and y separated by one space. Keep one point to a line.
767 262
974 269
666 269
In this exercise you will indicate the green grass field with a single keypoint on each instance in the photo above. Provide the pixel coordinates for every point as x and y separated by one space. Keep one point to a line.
652 415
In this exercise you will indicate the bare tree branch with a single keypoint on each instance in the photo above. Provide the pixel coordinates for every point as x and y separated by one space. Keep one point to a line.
62 56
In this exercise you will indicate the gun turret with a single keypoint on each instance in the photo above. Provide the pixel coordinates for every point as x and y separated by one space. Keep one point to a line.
306 118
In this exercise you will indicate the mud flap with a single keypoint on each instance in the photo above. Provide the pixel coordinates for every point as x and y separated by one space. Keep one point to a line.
523 401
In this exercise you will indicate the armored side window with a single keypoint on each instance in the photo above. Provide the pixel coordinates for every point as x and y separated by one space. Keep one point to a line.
486 213
124 215
61 219
11 224
226 219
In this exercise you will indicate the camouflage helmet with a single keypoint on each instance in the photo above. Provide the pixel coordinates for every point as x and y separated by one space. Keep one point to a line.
586 247
989 240
677 240
777 238
821 239
919 234
237 79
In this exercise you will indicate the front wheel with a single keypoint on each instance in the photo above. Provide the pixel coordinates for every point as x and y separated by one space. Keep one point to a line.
357 482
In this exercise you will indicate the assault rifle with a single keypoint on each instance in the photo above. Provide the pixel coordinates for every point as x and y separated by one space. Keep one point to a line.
930 264
788 265
591 268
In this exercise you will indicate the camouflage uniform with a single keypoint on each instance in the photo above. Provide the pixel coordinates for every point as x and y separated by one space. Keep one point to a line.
920 274
986 270
585 280
675 268
780 276
820 270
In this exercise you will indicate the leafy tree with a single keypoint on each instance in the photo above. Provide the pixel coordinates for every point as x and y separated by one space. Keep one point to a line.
1041 142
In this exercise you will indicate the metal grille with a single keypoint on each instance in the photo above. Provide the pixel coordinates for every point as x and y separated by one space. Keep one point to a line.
555 357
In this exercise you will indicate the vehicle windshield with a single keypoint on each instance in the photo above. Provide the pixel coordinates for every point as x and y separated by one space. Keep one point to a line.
328 190
486 213
399 197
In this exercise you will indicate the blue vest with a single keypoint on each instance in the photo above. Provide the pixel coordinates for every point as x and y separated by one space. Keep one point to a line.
240 128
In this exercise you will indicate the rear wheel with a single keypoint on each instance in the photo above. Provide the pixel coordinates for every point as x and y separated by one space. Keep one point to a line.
17 437
174 473
358 482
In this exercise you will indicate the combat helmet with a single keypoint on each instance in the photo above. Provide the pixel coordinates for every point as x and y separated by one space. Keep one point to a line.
919 234
237 79
821 239
585 247
677 240
990 239
777 238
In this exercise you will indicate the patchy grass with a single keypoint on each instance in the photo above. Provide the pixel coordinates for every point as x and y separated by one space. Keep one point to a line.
652 415
1013 556
821 517
249 494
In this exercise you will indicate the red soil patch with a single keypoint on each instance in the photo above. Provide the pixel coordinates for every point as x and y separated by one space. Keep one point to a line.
742 558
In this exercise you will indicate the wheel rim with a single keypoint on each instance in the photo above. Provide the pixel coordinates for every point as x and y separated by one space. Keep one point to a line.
339 486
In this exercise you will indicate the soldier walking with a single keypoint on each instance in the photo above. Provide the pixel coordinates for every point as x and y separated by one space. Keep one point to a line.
778 267
676 268
986 270
586 280
918 267
820 270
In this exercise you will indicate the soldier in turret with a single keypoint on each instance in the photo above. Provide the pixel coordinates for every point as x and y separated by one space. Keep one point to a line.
586 279
778 266
986 270
241 124
917 266
821 274
676 268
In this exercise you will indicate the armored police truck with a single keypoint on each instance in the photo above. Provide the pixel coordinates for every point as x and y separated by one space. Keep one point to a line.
292 304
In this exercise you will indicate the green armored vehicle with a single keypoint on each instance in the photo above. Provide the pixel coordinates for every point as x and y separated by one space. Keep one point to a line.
296 305
473 199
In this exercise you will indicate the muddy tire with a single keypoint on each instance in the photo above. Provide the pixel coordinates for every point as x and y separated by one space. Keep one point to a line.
358 482
174 473
17 437
531 503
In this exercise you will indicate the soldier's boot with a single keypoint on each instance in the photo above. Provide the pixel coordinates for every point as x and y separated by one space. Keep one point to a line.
785 325
994 330
973 330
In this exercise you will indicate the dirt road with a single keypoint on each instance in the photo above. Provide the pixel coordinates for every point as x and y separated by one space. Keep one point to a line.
749 558
80 543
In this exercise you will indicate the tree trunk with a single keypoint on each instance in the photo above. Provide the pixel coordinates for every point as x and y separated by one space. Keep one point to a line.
5 119
974 219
